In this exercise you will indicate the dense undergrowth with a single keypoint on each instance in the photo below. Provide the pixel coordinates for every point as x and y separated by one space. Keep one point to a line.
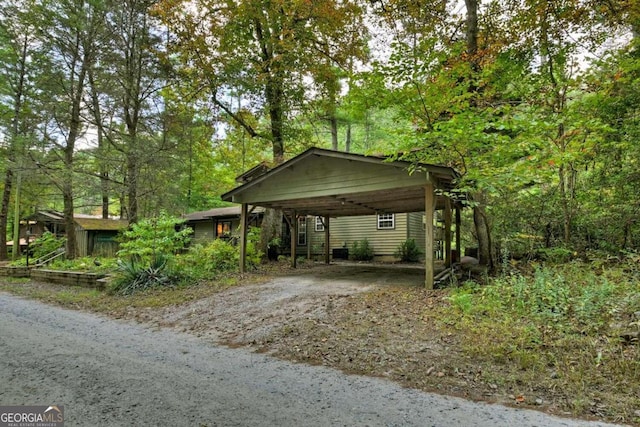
572 329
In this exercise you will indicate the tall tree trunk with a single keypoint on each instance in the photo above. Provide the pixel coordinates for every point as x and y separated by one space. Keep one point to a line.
472 28
332 89
480 220
4 212
486 252
132 109
71 245
271 228
77 88
132 114
132 188
347 141
483 233
626 235
136 32
15 131
67 185
567 186
104 171
333 123
16 218
274 94
104 189
274 86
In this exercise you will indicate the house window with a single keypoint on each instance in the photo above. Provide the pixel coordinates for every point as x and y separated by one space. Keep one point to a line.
319 223
302 231
223 229
386 222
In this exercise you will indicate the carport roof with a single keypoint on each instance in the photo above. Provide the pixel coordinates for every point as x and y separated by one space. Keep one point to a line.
332 183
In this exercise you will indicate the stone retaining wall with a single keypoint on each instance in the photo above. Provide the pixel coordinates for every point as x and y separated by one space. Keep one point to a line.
14 271
69 278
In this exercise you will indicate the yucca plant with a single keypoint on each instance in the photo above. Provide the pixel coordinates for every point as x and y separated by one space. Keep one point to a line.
133 277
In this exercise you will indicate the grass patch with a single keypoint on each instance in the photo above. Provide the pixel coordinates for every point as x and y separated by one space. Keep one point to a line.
116 304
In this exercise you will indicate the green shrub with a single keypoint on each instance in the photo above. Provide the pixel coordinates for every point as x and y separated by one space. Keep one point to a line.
254 255
555 255
134 277
362 251
150 237
204 261
408 251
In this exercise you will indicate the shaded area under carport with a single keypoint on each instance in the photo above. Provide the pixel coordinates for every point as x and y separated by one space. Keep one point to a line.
367 273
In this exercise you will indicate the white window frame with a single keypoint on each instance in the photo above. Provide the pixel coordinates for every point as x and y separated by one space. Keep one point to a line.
386 221
302 231
319 226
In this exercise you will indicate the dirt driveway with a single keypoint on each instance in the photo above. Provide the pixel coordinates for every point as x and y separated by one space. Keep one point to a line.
368 319
249 314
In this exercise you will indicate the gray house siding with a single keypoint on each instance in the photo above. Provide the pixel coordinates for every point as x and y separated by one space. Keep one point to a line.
203 231
220 223
344 231
415 229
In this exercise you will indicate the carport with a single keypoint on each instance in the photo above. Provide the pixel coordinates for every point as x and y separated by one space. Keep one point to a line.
333 184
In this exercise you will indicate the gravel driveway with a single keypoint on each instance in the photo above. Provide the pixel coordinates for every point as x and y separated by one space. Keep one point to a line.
110 373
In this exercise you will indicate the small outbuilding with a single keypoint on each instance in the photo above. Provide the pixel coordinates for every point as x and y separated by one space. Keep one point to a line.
97 236
332 184
94 236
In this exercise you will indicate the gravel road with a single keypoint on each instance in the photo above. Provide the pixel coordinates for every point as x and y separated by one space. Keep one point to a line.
114 373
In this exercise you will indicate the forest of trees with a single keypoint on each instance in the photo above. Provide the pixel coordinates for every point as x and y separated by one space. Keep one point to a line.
135 107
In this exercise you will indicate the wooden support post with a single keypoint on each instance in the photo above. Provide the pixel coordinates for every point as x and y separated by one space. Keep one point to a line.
294 239
308 224
458 229
243 238
327 241
428 246
447 232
